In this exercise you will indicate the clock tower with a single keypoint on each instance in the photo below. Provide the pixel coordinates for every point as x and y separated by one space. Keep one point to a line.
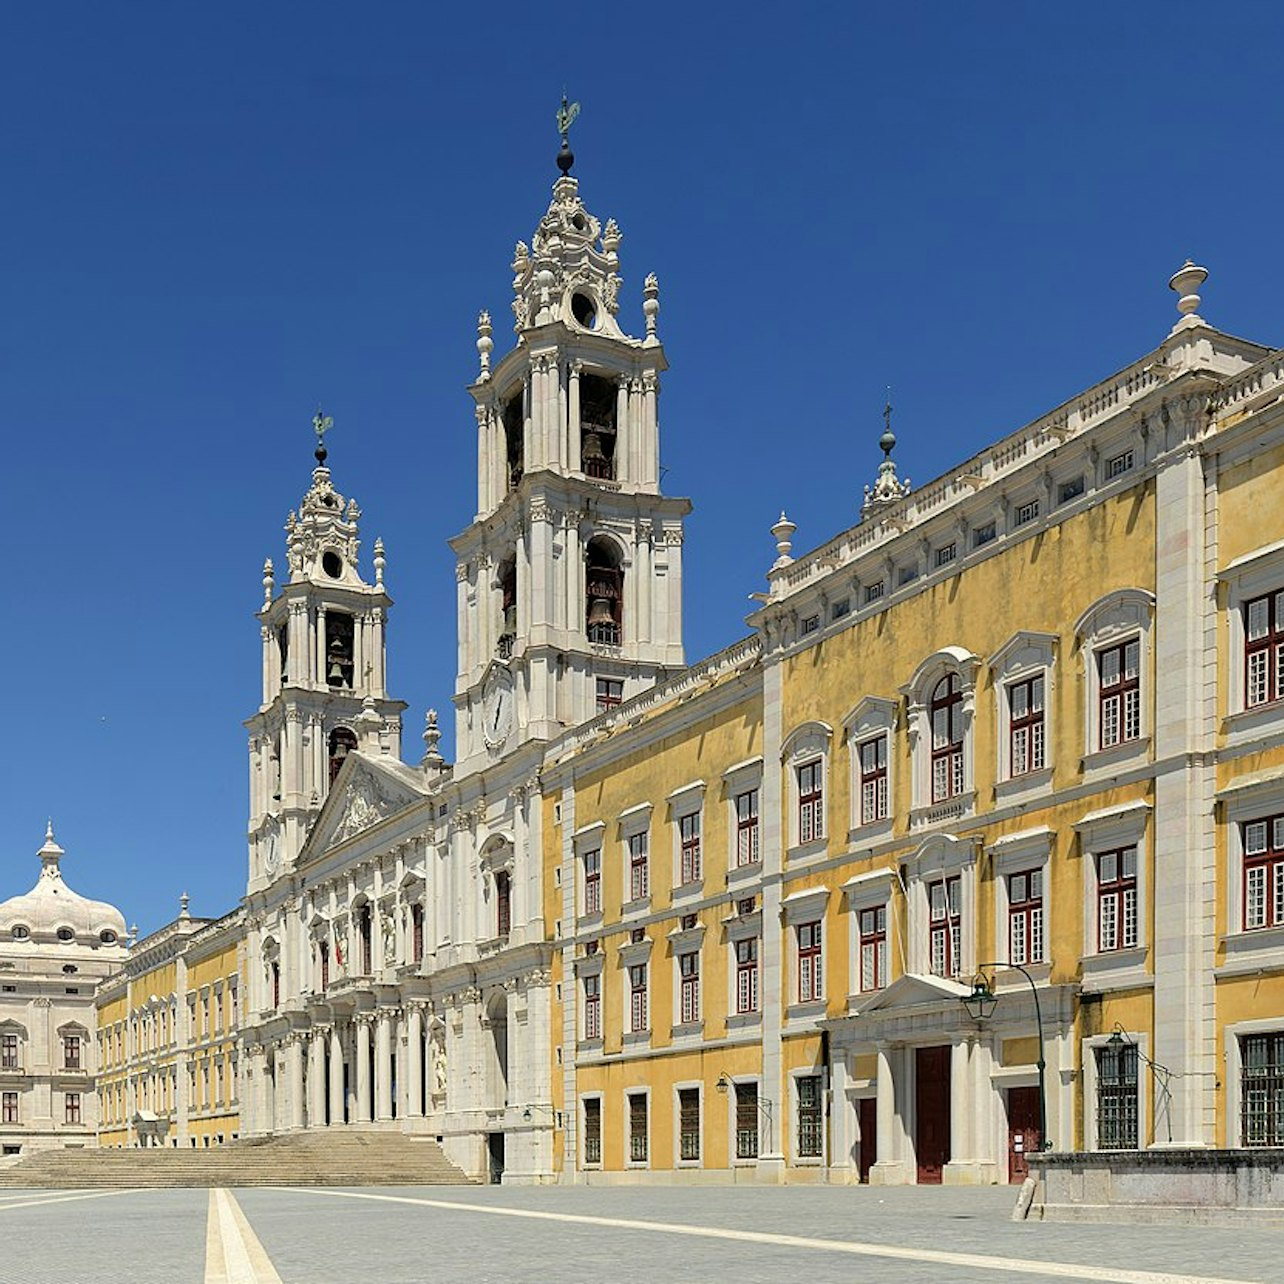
570 576
324 673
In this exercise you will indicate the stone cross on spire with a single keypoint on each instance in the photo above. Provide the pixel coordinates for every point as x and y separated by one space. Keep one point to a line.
887 487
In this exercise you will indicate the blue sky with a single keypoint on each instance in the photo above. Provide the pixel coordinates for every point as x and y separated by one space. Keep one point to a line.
218 217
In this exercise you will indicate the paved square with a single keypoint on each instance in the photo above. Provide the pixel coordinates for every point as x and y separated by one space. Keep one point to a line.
424 1235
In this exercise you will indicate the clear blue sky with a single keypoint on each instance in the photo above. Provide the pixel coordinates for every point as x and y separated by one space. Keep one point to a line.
216 217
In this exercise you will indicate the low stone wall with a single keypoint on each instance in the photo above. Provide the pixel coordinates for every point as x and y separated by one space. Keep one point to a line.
1212 1187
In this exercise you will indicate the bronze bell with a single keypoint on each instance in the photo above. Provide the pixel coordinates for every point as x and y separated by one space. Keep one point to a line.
592 452
600 612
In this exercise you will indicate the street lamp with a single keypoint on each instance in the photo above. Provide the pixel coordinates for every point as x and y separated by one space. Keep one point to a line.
981 1004
764 1105
1160 1074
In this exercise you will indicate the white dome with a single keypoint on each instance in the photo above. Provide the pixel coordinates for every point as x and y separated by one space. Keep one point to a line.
51 910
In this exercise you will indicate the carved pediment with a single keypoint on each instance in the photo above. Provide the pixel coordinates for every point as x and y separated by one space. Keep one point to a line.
362 797
915 990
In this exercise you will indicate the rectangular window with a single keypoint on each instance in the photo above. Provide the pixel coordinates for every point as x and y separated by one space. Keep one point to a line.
503 903
945 926
8 1051
593 881
873 780
639 876
593 1006
747 975
1026 512
873 591
1264 649
71 1107
907 574
1262 1089
593 1130
810 974
689 975
689 1123
873 948
840 608
638 998
9 1107
71 1052
610 692
1025 917
810 1133
637 1127
985 534
1117 899
1072 489
1264 873
1117 1097
946 554
810 624
1119 670
747 827
811 802
689 833
746 1121
1025 726
1117 465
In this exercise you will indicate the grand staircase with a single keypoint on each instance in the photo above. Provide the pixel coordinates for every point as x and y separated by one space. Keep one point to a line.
328 1158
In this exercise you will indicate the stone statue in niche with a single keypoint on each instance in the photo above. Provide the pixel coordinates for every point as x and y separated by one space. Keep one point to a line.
439 1064
389 940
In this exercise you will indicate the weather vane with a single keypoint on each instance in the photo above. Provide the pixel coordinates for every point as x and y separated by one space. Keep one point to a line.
566 115
321 424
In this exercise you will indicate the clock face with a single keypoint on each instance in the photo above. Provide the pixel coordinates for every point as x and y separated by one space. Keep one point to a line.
271 852
497 711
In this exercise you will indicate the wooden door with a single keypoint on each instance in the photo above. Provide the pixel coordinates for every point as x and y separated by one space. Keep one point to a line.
1023 1131
867 1108
932 1113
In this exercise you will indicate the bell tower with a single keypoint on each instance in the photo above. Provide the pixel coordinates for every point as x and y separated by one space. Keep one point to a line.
570 575
324 672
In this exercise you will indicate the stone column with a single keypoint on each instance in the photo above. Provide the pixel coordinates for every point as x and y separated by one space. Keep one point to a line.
415 1062
336 1075
574 462
383 1073
363 1021
294 1064
316 1077
886 1170
962 1104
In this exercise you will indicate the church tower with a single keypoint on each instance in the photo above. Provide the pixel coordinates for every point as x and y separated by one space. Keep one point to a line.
324 673
570 575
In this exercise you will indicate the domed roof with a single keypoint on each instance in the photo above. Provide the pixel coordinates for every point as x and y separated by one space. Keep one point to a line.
51 910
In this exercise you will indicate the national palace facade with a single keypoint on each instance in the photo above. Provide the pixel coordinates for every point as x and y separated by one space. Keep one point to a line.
1022 726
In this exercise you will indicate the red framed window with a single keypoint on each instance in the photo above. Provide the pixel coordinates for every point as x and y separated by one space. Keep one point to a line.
1117 899
1025 916
689 977
811 802
365 931
747 975
323 956
638 1018
593 1007
417 932
692 866
8 1051
1026 741
610 693
873 948
1264 649
747 827
1264 873
810 974
503 903
873 780
71 1052
639 874
946 712
8 1107
1119 673
71 1107
593 881
945 926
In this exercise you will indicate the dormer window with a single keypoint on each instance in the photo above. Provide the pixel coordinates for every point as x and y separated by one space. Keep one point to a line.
598 426
338 650
603 593
66 934
21 932
514 425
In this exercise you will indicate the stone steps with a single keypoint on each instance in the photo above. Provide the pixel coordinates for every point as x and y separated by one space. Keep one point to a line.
320 1159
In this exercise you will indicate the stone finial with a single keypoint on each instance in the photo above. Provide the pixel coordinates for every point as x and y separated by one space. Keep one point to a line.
783 533
611 238
269 581
183 902
485 345
651 305
369 724
887 487
432 738
132 935
1185 281
380 561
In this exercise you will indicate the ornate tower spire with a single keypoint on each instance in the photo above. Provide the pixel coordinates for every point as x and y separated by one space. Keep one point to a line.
887 487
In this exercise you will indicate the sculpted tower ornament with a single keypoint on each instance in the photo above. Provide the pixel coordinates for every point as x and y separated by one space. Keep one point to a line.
887 488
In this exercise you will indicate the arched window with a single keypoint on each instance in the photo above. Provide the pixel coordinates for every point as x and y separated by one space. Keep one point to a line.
324 954
338 649
508 608
947 738
365 930
603 593
503 903
342 743
513 432
597 426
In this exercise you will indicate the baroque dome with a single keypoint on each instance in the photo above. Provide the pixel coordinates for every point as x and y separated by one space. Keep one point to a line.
51 910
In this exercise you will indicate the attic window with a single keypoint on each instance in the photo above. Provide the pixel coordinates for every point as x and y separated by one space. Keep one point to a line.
584 310
107 936
984 534
70 968
66 934
21 933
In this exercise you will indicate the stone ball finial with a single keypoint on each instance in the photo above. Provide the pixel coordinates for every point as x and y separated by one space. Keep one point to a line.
1185 281
485 344
380 561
